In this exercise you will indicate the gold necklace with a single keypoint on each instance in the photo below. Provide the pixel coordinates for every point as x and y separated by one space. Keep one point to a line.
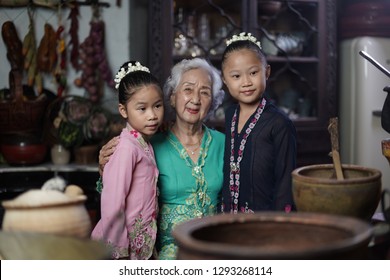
186 147
192 151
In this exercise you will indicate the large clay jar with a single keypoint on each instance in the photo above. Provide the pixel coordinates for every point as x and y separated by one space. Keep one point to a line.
22 245
316 189
272 236
48 211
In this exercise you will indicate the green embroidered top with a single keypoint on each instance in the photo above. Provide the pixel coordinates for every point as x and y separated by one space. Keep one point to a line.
187 190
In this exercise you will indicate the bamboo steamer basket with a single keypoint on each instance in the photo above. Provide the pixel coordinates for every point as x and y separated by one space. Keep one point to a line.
48 211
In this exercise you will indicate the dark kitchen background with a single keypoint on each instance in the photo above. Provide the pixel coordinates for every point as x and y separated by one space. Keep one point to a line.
312 46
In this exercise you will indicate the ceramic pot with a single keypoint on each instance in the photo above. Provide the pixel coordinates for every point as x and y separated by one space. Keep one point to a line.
272 236
40 246
316 189
365 18
269 8
60 155
291 44
268 45
48 211
87 154
23 149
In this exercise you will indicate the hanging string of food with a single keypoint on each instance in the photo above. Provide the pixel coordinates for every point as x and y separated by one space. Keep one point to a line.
13 44
47 51
60 68
14 48
74 37
29 51
93 60
49 57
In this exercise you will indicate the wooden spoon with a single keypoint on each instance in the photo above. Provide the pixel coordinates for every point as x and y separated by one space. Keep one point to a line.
334 137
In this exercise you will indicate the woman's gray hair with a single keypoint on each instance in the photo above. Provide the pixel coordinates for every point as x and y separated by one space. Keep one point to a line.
176 74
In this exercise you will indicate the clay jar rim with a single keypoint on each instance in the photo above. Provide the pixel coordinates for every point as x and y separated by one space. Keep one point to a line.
55 199
21 139
374 175
360 230
79 200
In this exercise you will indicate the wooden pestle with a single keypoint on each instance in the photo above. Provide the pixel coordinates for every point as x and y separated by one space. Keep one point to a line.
334 137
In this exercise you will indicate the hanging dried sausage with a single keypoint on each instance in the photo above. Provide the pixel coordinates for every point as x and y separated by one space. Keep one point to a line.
47 50
14 45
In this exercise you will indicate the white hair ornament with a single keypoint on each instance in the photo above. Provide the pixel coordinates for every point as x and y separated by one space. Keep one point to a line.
130 68
243 36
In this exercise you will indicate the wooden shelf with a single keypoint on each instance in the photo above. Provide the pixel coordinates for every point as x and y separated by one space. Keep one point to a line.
50 167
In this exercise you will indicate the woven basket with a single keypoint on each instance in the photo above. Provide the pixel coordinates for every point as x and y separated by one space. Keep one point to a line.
19 115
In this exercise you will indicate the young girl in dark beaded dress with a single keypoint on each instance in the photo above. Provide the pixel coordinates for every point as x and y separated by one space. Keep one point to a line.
260 147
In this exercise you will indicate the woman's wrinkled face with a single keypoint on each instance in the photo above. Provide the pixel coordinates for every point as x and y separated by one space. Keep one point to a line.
193 97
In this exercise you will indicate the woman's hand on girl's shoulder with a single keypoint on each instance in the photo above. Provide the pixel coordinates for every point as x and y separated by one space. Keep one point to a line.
106 151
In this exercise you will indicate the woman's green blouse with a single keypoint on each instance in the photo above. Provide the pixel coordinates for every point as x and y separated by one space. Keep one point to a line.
187 190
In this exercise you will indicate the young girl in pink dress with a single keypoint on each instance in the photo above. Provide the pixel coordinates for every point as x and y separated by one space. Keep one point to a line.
129 198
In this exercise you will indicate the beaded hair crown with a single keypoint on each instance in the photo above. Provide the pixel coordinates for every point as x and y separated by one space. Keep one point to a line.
130 68
243 36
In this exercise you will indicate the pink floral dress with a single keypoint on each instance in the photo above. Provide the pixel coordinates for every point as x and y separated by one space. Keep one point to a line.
129 199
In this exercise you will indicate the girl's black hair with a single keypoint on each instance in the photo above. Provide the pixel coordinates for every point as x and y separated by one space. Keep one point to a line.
240 45
134 81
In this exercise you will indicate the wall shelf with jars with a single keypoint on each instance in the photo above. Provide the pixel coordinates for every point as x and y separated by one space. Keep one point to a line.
299 38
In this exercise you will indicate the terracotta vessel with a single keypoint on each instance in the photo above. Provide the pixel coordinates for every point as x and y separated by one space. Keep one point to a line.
41 246
23 149
316 189
273 235
48 211
87 154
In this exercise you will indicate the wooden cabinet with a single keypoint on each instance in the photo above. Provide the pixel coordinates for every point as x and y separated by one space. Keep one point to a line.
299 38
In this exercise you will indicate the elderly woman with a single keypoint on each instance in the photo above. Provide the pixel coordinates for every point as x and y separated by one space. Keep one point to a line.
189 155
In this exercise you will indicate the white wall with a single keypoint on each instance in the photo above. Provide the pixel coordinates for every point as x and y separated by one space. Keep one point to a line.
117 41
